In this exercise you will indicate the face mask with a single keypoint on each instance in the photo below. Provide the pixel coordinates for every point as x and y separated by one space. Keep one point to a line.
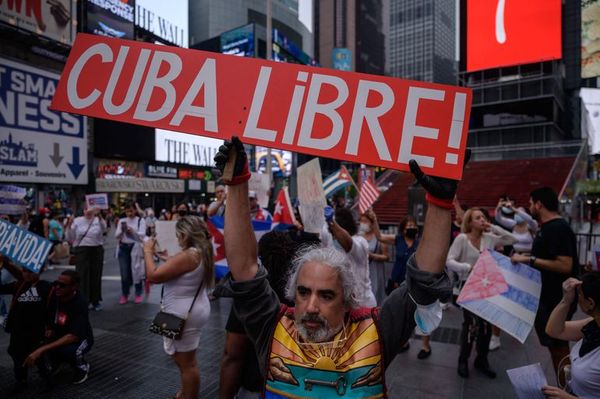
182 213
507 211
519 219
411 232
428 317
364 228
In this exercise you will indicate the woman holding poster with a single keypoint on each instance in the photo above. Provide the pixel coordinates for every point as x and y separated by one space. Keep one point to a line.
477 235
187 277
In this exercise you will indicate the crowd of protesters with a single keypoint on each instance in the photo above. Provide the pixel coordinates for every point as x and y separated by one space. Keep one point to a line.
298 296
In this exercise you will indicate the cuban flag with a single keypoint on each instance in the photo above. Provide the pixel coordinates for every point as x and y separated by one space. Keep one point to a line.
336 181
283 217
216 226
505 294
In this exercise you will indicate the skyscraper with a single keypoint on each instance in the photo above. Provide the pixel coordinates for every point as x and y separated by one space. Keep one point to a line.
422 40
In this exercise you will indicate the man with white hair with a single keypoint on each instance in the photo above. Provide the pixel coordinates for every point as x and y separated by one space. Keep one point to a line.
327 346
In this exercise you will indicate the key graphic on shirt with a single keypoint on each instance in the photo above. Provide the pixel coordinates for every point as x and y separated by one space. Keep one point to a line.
500 30
486 280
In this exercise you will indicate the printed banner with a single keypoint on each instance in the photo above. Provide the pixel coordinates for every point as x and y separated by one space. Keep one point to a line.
12 200
311 196
22 247
505 294
292 107
98 201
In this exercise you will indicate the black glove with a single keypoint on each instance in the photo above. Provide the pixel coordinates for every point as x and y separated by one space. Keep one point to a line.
241 173
440 191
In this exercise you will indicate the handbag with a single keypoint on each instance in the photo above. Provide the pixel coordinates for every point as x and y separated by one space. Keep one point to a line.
170 325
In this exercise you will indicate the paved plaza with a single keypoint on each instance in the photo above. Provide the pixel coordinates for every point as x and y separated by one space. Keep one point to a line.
128 362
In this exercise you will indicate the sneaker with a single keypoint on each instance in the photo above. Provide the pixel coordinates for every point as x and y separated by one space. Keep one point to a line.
494 343
123 300
138 299
2 321
80 375
90 307
98 307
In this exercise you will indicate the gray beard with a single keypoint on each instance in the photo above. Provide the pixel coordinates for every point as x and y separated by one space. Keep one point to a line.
321 334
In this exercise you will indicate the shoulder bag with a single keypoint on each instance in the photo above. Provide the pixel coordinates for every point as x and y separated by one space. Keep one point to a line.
170 325
73 256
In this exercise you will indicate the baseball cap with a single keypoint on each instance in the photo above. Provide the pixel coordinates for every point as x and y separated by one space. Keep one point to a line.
252 194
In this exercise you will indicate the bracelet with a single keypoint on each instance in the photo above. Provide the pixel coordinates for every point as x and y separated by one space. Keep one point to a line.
442 203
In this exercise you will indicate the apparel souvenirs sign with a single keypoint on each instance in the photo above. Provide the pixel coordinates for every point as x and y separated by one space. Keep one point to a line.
310 110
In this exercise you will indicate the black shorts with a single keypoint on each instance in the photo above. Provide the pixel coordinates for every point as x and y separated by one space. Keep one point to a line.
541 319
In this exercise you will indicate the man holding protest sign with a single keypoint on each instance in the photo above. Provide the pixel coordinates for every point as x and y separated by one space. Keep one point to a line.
312 351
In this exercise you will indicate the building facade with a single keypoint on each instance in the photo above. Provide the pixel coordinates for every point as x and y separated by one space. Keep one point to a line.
421 40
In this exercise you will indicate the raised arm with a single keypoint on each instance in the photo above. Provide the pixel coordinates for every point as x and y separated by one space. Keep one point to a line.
558 327
433 248
240 242
382 238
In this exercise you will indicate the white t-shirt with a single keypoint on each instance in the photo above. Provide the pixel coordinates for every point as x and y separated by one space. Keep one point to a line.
359 258
585 372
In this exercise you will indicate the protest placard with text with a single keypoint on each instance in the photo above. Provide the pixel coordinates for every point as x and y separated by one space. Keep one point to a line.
23 247
361 118
166 237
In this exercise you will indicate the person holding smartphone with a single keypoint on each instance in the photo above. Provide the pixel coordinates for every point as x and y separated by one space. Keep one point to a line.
130 231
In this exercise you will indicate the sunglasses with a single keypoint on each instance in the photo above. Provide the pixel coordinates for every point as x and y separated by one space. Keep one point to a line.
59 284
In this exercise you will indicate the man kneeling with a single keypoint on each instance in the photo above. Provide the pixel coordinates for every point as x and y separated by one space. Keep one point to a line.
68 331
327 346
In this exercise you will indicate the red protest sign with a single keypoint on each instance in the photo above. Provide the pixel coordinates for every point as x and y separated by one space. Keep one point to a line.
355 117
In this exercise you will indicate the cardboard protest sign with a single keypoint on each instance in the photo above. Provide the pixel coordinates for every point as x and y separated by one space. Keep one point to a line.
259 183
505 294
311 196
317 111
166 238
12 200
22 247
98 201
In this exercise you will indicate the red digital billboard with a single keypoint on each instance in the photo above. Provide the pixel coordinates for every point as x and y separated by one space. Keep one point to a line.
504 33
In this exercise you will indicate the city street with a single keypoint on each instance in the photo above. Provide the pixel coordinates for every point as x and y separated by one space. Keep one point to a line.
128 362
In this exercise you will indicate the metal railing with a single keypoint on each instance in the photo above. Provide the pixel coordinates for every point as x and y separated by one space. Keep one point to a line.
585 246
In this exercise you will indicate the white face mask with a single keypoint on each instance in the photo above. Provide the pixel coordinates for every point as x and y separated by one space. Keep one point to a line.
428 317
364 228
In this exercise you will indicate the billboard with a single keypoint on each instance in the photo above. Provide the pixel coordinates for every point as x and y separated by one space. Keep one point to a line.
112 18
590 38
55 19
503 33
239 41
285 50
164 20
341 59
185 149
37 144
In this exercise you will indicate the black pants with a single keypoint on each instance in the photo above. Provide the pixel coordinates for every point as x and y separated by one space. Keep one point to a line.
89 262
19 348
474 328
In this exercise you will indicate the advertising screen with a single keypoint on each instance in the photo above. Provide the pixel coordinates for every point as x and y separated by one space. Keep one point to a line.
239 41
164 20
504 33
590 38
112 18
53 19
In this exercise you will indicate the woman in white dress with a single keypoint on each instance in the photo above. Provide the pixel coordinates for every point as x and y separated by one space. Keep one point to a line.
184 275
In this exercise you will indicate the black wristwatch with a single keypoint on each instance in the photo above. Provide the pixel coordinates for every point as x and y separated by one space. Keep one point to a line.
532 260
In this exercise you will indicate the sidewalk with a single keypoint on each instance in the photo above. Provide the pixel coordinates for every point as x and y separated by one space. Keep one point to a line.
128 362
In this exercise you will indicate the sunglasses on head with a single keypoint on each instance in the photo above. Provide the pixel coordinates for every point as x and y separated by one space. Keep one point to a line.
60 284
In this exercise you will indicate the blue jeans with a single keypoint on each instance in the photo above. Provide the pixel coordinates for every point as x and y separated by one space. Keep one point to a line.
126 273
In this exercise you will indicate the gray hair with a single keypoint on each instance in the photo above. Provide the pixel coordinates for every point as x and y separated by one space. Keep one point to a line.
328 256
